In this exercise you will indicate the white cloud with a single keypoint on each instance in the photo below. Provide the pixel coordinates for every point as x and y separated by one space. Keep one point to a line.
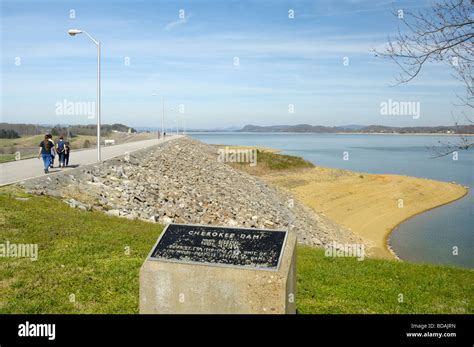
178 22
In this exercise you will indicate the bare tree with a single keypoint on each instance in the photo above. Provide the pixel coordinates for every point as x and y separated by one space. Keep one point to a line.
442 33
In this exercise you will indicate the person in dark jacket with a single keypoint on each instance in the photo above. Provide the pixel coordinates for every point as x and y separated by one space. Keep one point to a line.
67 150
45 150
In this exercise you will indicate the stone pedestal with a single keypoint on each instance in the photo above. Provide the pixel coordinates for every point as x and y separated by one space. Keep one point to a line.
201 269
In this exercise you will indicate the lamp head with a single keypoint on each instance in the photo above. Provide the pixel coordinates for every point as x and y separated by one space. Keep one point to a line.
74 32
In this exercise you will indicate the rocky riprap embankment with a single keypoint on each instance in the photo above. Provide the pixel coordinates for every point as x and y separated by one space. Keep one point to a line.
182 181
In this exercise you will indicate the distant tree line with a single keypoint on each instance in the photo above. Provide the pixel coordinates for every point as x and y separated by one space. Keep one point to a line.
57 130
8 134
24 129
306 128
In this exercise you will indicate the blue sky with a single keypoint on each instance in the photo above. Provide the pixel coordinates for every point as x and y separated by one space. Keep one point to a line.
190 61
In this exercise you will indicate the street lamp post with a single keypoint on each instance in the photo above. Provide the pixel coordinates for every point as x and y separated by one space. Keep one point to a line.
73 32
163 118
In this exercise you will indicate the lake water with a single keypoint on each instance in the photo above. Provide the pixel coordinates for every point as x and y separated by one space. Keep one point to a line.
428 237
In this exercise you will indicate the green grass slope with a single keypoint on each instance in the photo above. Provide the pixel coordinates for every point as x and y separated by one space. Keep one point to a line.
89 263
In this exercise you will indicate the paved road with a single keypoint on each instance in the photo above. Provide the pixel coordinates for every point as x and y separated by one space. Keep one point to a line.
17 171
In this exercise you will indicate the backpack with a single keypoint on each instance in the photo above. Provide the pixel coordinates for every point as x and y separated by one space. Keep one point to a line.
60 146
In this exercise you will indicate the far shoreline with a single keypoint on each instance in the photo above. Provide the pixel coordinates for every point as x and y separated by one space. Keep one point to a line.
330 133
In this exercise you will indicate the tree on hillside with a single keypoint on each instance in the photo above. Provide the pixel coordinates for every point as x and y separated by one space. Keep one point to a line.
442 33
55 131
8 134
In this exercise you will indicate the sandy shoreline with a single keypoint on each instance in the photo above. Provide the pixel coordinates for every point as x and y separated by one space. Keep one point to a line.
371 205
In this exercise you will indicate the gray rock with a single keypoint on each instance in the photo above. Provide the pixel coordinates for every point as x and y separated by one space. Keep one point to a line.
114 213
166 220
21 199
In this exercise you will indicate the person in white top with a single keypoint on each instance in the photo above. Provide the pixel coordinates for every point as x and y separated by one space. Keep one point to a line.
53 153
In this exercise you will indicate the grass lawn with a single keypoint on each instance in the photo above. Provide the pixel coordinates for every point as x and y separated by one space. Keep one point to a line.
11 157
25 141
33 141
269 161
346 285
6 157
80 253
85 254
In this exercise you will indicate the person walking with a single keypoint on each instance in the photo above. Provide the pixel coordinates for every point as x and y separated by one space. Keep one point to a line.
53 153
60 148
67 150
45 150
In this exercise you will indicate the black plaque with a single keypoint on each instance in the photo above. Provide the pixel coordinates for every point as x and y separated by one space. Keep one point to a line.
252 248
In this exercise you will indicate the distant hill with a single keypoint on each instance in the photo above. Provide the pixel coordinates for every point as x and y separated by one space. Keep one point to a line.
370 129
190 130
353 127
